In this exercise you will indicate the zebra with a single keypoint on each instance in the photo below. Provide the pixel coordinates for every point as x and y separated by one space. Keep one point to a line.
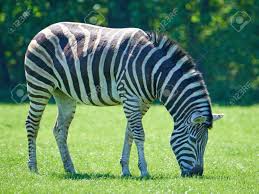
100 66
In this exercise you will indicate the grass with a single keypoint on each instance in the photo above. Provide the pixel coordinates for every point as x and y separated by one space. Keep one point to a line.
95 142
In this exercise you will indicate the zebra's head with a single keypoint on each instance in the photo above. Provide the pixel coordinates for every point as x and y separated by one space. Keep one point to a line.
181 88
189 140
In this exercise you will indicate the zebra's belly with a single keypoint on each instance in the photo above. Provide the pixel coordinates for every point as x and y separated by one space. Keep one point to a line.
103 94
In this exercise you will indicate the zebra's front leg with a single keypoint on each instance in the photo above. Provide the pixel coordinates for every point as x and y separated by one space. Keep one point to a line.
126 153
134 115
142 164
66 110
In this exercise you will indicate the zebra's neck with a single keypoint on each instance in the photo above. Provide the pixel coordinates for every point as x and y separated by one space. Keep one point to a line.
185 96
178 84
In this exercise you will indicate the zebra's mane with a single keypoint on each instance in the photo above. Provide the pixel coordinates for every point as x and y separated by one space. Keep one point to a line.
156 39
180 52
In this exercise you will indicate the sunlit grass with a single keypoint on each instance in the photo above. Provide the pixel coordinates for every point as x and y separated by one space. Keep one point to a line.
95 142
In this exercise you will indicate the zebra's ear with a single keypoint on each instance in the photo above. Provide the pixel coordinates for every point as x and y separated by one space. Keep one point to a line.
217 116
198 118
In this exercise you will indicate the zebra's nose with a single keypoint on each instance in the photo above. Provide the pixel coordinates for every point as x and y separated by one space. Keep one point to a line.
197 170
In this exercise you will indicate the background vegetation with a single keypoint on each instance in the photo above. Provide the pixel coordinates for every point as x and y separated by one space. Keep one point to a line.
226 52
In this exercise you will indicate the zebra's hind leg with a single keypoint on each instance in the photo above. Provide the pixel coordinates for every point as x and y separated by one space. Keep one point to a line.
38 101
66 110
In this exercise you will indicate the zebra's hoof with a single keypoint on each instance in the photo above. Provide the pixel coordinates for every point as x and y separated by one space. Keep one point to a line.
70 171
145 176
126 175
33 169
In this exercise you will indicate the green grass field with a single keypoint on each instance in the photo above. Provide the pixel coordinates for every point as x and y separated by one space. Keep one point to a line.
95 141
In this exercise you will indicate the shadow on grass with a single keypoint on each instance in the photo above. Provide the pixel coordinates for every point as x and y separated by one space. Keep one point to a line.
94 176
81 176
215 177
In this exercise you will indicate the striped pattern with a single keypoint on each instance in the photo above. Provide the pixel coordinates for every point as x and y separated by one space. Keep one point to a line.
103 66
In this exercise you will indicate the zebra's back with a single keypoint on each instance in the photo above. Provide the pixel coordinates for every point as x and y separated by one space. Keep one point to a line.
81 60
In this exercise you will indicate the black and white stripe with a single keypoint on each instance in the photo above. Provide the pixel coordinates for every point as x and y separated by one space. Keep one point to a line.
101 66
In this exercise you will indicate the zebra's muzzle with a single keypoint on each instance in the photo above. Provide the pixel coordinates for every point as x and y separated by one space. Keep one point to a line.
195 171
